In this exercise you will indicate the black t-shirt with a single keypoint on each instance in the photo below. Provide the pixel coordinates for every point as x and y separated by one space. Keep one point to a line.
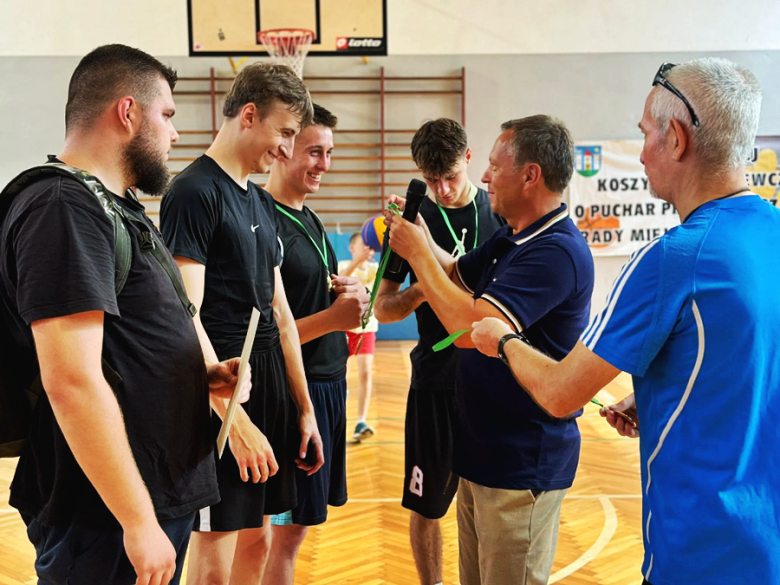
207 217
57 259
437 370
305 282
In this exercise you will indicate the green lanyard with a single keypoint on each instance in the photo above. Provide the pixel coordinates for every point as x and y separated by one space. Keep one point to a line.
322 252
476 222
379 275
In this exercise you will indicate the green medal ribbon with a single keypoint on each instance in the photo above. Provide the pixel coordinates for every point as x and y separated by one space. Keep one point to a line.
322 252
452 231
449 340
379 274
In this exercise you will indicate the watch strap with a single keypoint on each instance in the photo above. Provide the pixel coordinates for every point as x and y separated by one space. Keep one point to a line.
502 342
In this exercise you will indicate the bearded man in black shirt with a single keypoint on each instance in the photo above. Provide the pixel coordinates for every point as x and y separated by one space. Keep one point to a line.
111 477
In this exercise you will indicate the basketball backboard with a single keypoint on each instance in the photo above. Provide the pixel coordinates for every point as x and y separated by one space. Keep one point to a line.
342 27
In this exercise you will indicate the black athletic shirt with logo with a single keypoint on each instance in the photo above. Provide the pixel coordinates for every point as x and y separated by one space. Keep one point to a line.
432 370
207 217
305 282
57 259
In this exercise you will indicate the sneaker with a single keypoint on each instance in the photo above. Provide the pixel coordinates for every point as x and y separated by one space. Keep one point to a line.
362 431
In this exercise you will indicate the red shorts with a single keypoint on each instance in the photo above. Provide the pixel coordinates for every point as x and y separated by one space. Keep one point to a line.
367 347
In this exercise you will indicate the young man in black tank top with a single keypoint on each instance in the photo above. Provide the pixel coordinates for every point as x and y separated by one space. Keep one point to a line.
221 229
459 218
324 306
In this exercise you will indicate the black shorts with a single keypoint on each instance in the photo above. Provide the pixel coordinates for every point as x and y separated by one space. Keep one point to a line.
271 409
429 485
327 487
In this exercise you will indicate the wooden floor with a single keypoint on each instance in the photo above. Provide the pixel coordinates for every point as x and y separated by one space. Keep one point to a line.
366 541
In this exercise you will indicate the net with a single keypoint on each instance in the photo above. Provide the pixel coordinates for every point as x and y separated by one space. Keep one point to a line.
287 46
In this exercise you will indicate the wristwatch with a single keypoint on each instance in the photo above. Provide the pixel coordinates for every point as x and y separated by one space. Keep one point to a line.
502 342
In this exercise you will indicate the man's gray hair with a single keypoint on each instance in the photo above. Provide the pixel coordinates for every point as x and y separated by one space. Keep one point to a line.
727 99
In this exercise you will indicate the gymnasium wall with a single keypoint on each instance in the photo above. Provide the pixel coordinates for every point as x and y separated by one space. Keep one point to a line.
599 96
590 67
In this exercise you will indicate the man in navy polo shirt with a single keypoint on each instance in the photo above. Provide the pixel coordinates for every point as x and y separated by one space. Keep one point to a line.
535 275
694 318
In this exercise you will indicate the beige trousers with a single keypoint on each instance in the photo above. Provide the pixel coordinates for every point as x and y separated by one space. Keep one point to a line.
506 537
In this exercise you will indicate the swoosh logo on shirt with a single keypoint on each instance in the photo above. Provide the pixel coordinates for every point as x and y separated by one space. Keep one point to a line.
254 227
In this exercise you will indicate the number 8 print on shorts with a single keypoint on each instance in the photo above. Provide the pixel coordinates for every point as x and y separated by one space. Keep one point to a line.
416 483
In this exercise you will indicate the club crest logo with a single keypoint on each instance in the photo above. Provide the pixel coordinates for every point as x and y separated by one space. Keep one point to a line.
587 160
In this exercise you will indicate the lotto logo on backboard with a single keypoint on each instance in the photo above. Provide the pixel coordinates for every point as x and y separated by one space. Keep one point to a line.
587 160
355 44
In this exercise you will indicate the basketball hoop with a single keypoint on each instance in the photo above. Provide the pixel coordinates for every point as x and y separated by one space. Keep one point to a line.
287 46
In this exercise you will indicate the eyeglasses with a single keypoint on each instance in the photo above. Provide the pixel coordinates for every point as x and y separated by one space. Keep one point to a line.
660 79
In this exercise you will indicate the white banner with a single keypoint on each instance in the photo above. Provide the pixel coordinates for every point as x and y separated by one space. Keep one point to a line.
764 170
609 199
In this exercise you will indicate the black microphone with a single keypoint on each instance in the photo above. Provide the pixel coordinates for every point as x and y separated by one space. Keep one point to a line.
414 198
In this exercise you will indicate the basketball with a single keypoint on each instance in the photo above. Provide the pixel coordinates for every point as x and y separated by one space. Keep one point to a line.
373 232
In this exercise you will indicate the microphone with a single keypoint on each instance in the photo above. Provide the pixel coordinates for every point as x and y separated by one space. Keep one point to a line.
415 194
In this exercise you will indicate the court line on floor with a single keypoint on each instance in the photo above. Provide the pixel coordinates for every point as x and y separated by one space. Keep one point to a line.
610 527
607 532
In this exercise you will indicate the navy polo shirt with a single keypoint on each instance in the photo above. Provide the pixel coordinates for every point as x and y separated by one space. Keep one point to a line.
541 280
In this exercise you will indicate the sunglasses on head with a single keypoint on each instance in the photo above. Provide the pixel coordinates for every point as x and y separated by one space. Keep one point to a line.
660 79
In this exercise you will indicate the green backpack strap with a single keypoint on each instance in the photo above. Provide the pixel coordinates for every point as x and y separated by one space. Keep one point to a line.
173 274
149 245
106 199
119 217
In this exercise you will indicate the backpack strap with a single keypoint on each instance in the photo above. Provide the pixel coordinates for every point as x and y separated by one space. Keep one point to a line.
104 196
148 244
119 217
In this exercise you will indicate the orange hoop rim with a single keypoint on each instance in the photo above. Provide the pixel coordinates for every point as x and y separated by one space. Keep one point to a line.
297 35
